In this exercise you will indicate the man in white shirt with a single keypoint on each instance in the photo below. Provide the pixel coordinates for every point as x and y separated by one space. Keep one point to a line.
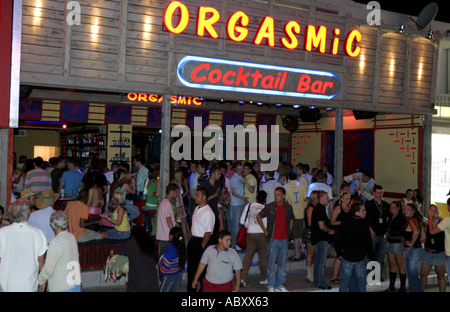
269 186
202 228
142 173
22 251
256 240
321 185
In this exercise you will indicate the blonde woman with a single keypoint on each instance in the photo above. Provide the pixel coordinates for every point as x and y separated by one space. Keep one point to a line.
434 254
119 219
127 184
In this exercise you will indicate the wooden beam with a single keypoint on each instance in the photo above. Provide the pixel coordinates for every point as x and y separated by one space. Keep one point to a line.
121 57
426 163
376 80
338 170
406 77
67 43
164 168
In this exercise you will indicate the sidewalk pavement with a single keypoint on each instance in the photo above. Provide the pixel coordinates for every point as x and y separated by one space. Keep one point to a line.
295 282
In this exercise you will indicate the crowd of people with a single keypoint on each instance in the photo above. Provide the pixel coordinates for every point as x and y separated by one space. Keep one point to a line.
196 225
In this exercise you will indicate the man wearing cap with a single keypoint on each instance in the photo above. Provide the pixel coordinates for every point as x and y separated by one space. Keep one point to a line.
30 196
41 217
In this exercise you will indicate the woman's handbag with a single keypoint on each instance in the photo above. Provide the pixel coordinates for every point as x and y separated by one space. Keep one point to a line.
116 266
241 239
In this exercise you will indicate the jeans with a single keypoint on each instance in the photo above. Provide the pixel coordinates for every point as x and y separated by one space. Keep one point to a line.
277 252
133 210
320 260
379 247
447 266
171 283
148 222
353 274
76 288
234 215
413 260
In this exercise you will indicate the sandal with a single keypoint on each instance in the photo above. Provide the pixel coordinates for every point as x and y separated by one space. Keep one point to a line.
336 281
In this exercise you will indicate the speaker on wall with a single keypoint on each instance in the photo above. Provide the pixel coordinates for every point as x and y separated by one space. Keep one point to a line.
25 91
364 115
310 114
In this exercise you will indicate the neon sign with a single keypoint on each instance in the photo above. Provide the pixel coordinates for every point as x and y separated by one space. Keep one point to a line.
226 75
236 29
154 98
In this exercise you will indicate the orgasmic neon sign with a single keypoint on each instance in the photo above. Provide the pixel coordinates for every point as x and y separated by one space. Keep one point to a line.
236 26
155 98
226 75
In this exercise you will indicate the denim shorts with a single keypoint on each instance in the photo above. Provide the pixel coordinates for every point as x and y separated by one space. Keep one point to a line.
394 248
114 234
434 258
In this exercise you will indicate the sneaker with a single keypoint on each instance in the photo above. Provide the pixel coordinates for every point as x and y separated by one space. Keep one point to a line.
293 258
281 289
243 283
238 248
264 282
270 289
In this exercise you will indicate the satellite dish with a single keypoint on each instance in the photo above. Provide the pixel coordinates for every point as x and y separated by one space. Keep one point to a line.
426 16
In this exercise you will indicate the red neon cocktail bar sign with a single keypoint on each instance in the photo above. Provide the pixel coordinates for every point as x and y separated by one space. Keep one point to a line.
226 75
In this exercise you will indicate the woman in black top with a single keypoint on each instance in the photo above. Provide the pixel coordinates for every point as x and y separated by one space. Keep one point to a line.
339 212
434 250
307 237
394 249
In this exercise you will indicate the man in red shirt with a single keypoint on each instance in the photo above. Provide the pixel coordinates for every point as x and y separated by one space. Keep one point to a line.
280 221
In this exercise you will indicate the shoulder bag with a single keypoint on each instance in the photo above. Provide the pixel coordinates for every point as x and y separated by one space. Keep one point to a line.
241 239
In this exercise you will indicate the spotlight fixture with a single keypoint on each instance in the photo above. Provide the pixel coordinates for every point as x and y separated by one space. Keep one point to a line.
430 35
278 105
201 98
222 101
329 108
259 103
402 29
312 107
241 102
296 106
